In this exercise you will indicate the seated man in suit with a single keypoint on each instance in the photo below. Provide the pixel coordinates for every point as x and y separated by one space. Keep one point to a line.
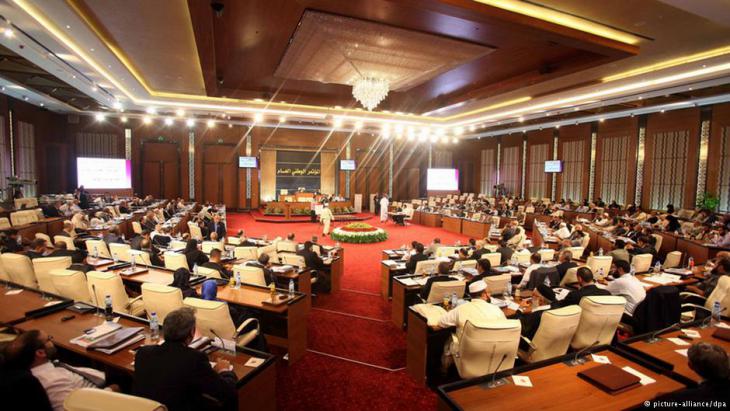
161 236
315 263
53 210
264 263
61 250
479 250
415 258
37 249
587 288
619 252
136 241
542 297
509 231
215 264
180 377
444 269
505 251
643 246
146 245
34 350
113 236
244 241
217 226
710 361
565 262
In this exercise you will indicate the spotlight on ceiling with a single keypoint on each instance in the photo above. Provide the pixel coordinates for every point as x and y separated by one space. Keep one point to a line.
258 117
100 116
180 112
168 121
282 119
147 120
210 123
123 119
190 122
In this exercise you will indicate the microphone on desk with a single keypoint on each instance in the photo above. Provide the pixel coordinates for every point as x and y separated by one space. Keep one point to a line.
706 321
653 338
223 343
96 300
495 382
576 358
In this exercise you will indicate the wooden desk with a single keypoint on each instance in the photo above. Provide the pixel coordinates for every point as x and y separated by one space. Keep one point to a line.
337 270
416 217
452 224
475 229
392 254
431 219
669 243
283 325
255 385
666 350
386 277
404 296
15 308
697 250
555 386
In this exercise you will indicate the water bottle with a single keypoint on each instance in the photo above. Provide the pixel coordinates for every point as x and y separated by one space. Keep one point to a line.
600 251
657 267
108 310
238 280
600 273
195 269
691 263
454 299
291 288
508 291
633 270
154 327
96 252
134 262
715 313
115 258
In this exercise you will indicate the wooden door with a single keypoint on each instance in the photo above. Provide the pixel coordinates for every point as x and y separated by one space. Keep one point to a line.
161 170
151 179
220 174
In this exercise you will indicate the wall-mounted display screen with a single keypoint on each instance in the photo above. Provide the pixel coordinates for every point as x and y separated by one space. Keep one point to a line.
553 166
347 165
247 162
104 173
442 179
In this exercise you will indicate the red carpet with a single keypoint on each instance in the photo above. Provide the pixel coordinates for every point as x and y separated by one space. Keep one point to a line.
356 354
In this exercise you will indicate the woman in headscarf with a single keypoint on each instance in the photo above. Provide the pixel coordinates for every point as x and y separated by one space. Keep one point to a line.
181 280
193 255
238 314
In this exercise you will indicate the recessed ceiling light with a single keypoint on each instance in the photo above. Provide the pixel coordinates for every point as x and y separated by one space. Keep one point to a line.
168 121
124 119
190 122
358 125
180 112
282 119
258 117
146 120
151 110
210 123
8 33
100 116
68 27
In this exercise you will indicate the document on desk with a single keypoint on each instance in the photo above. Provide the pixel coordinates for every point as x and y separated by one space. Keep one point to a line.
601 359
691 333
681 352
254 362
678 341
421 280
522 381
643 379
408 282
14 292
561 293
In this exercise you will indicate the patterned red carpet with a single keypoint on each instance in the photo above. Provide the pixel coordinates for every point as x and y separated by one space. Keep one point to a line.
356 355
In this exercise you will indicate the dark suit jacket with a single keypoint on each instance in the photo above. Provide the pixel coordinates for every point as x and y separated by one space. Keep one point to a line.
427 287
415 258
219 228
477 254
196 257
33 254
563 268
162 239
508 233
574 297
312 260
77 257
705 391
268 274
52 211
110 238
22 391
178 377
222 270
530 322
506 253
136 242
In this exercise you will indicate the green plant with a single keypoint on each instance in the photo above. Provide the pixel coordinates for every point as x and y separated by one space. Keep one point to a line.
708 201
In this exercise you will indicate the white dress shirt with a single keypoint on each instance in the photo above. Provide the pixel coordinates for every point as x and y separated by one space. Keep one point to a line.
526 276
476 310
629 287
562 233
60 382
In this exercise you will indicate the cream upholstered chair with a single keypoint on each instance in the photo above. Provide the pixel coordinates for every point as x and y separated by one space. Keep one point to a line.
140 257
5 223
585 241
721 293
24 217
42 268
571 276
597 263
28 202
19 269
659 239
177 245
71 284
208 246
459 265
497 284
546 254
173 261
553 336
68 240
446 251
441 288
521 257
268 249
94 399
495 259
577 252
3 273
46 238
685 214
426 267
209 272
213 316
293 259
93 246
233 240
250 275
642 262
673 260
107 283
120 252
245 253
409 214
161 299
598 320
195 232
491 247
494 221
481 348
518 239
286 246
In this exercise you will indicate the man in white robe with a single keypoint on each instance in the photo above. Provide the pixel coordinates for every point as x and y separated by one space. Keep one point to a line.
326 217
384 208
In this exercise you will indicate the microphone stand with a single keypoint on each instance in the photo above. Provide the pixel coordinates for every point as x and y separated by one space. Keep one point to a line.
223 343
654 336
497 382
577 360
708 320
97 309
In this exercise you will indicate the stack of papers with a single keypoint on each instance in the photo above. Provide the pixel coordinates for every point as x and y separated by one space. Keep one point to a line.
663 278
678 271
96 333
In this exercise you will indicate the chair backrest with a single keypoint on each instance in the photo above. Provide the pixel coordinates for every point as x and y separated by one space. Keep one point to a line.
233 240
250 275
177 245
465 264
497 284
99 246
556 330
446 251
659 240
246 253
495 259
107 283
268 249
577 252
494 221
484 347
521 257
571 276
546 254
68 240
721 293
23 217
426 266
685 213
212 315
441 288
288 246
293 259
598 321
173 261
71 284
195 232
208 246
42 268
140 257
120 252
209 272
3 273
5 223
597 263
161 299
136 227
642 262
45 237
28 202
92 399
674 258
19 269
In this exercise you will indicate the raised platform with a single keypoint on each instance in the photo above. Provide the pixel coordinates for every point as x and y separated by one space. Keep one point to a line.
260 217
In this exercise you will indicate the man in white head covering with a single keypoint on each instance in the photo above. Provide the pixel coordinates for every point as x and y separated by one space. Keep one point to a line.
384 203
477 311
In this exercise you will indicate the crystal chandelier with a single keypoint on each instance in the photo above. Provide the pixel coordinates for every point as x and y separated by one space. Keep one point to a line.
370 91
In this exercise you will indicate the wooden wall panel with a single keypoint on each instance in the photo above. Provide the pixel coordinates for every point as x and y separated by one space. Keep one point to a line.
717 169
570 134
328 165
610 171
268 175
538 142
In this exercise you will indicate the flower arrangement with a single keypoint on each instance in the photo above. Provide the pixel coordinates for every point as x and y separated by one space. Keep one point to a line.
359 233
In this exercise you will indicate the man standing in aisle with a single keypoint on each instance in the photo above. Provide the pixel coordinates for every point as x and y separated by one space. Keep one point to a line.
326 217
384 208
